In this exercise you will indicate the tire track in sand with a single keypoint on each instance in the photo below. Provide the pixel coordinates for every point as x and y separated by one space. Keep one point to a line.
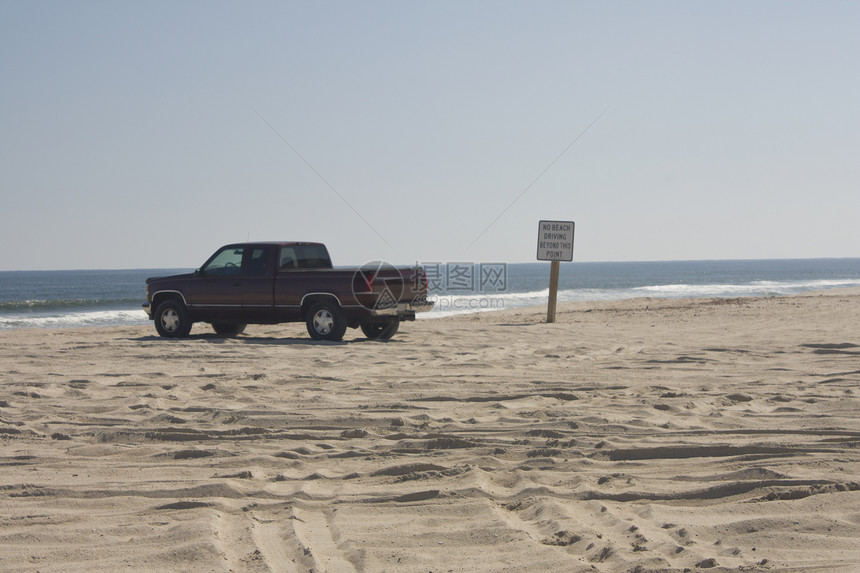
313 528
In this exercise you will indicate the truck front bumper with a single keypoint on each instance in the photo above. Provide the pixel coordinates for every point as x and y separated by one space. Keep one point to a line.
147 308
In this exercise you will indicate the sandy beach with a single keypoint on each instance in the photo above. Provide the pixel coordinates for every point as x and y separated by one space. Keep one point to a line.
640 435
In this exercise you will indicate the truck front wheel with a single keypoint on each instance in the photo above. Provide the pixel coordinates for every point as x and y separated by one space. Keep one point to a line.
171 319
325 321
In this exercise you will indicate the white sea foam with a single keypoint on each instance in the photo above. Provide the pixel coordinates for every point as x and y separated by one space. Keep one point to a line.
70 320
449 305
755 288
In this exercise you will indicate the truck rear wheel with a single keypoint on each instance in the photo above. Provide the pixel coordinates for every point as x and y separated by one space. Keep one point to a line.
228 329
326 321
381 329
172 320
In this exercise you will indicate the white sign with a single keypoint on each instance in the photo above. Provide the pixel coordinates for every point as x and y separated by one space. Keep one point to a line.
555 241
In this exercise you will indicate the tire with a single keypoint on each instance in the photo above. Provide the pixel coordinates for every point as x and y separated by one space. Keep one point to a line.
325 321
380 329
228 329
172 320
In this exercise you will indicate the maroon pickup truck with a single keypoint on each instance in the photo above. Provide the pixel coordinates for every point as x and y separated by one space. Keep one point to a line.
268 283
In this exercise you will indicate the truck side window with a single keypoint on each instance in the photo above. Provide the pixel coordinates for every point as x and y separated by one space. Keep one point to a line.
225 263
303 257
257 263
313 257
287 259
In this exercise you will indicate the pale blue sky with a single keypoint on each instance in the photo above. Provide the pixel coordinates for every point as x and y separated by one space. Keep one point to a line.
131 132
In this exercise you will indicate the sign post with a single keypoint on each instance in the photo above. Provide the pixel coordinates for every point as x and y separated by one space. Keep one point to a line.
555 243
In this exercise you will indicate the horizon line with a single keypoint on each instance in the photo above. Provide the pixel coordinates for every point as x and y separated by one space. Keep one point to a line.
732 259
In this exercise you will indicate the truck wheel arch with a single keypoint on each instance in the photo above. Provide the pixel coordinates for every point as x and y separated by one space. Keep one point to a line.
164 295
312 298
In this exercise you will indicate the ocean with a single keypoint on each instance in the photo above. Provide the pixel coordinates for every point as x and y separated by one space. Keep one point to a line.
62 299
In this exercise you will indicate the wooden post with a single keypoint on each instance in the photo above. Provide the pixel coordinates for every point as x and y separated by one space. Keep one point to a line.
553 291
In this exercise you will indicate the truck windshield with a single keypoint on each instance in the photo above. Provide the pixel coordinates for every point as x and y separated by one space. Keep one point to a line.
304 257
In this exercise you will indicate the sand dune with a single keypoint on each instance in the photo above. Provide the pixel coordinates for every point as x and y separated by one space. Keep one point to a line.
642 435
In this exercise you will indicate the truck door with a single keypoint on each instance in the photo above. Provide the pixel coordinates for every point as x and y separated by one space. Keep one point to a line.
287 294
217 291
258 303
